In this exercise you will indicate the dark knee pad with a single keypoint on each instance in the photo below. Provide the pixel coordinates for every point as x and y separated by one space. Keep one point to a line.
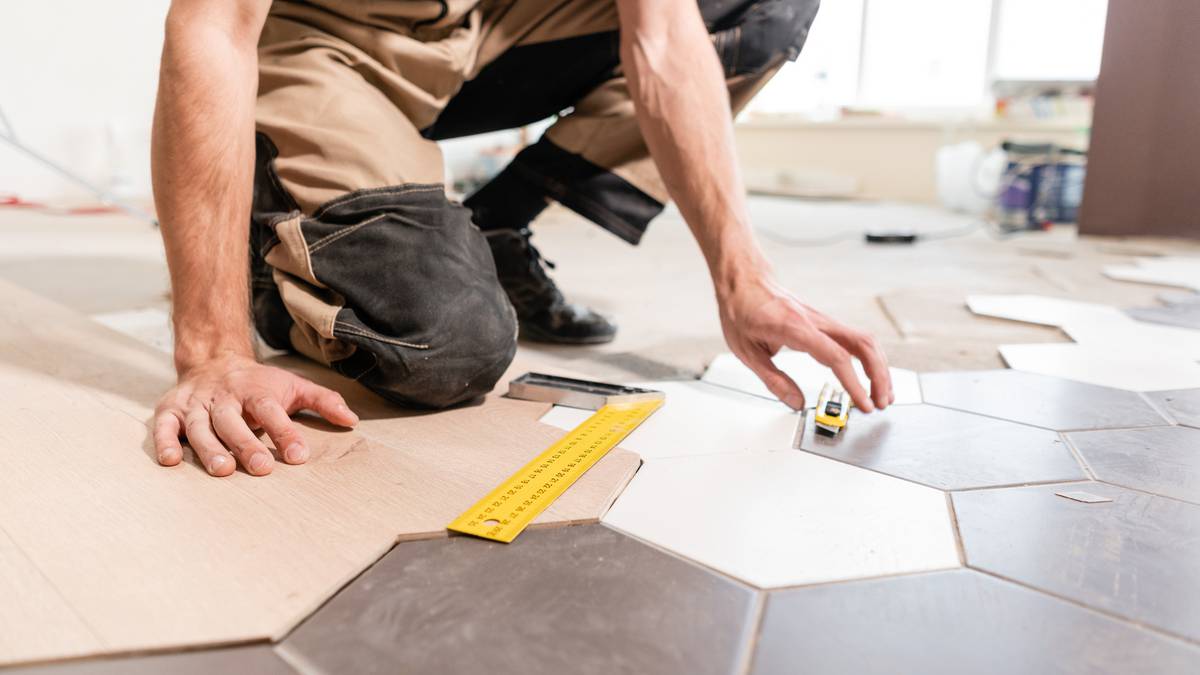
394 287
459 371
429 321
763 33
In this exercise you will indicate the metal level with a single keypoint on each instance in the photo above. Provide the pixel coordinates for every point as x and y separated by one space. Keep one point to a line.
574 393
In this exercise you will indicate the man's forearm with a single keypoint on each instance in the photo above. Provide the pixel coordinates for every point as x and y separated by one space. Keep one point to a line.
682 105
202 156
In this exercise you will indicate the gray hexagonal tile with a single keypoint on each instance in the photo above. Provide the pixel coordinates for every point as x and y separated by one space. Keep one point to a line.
579 599
1040 400
948 449
260 660
1177 309
952 622
1162 460
1183 405
1137 556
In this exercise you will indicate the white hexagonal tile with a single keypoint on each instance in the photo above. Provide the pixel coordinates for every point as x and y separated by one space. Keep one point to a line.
1043 309
778 519
1105 365
1092 324
700 419
1181 271
728 371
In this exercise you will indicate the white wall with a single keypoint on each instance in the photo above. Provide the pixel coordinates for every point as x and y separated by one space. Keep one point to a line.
77 81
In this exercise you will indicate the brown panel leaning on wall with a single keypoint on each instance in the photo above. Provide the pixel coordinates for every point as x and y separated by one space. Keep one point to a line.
1144 163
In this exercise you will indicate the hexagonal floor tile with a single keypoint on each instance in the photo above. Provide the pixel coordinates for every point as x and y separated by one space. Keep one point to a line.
1180 314
1182 405
1119 365
787 518
581 599
727 371
700 419
1040 400
1137 556
959 621
260 660
948 449
1162 460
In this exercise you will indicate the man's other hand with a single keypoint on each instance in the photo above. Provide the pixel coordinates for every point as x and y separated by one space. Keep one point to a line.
759 318
221 404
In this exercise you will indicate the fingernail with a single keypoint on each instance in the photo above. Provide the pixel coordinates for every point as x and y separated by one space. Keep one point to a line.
217 463
296 453
347 412
259 463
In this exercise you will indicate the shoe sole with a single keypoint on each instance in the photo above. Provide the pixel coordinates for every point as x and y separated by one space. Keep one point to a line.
534 334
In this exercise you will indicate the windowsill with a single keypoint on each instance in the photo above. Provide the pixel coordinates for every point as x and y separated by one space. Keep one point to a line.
784 122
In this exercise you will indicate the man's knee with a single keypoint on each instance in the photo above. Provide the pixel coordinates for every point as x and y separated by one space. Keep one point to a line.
393 287
462 367
430 323
769 32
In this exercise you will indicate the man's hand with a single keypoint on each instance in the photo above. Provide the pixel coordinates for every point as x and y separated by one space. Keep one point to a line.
759 318
220 405
679 94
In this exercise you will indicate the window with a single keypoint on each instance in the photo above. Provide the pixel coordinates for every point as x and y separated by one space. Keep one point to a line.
825 75
1041 40
934 54
924 53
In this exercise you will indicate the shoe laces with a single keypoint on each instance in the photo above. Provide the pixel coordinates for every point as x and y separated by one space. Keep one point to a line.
546 291
536 259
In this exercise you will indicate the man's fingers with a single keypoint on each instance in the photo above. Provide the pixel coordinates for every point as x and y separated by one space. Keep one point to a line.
202 439
832 354
844 370
874 363
325 402
268 413
166 437
231 428
778 382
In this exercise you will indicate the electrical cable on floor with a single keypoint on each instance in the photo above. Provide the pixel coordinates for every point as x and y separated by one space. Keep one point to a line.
898 236
814 241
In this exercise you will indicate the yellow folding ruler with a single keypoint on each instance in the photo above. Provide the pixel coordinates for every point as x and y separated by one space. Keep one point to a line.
507 510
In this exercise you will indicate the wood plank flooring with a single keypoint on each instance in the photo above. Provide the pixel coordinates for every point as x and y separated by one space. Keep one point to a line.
120 554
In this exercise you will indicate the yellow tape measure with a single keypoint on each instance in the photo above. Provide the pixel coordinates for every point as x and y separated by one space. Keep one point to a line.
505 512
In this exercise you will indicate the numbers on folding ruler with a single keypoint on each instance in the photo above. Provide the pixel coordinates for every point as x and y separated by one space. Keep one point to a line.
501 517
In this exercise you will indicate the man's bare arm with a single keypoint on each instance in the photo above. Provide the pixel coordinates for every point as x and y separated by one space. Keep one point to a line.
203 165
203 158
682 104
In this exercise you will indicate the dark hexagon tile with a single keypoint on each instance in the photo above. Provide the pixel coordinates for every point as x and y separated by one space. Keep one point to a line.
1040 400
948 449
1183 405
1162 460
1137 556
952 622
258 659
581 599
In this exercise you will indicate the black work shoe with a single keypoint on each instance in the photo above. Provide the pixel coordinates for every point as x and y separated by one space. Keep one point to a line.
544 315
